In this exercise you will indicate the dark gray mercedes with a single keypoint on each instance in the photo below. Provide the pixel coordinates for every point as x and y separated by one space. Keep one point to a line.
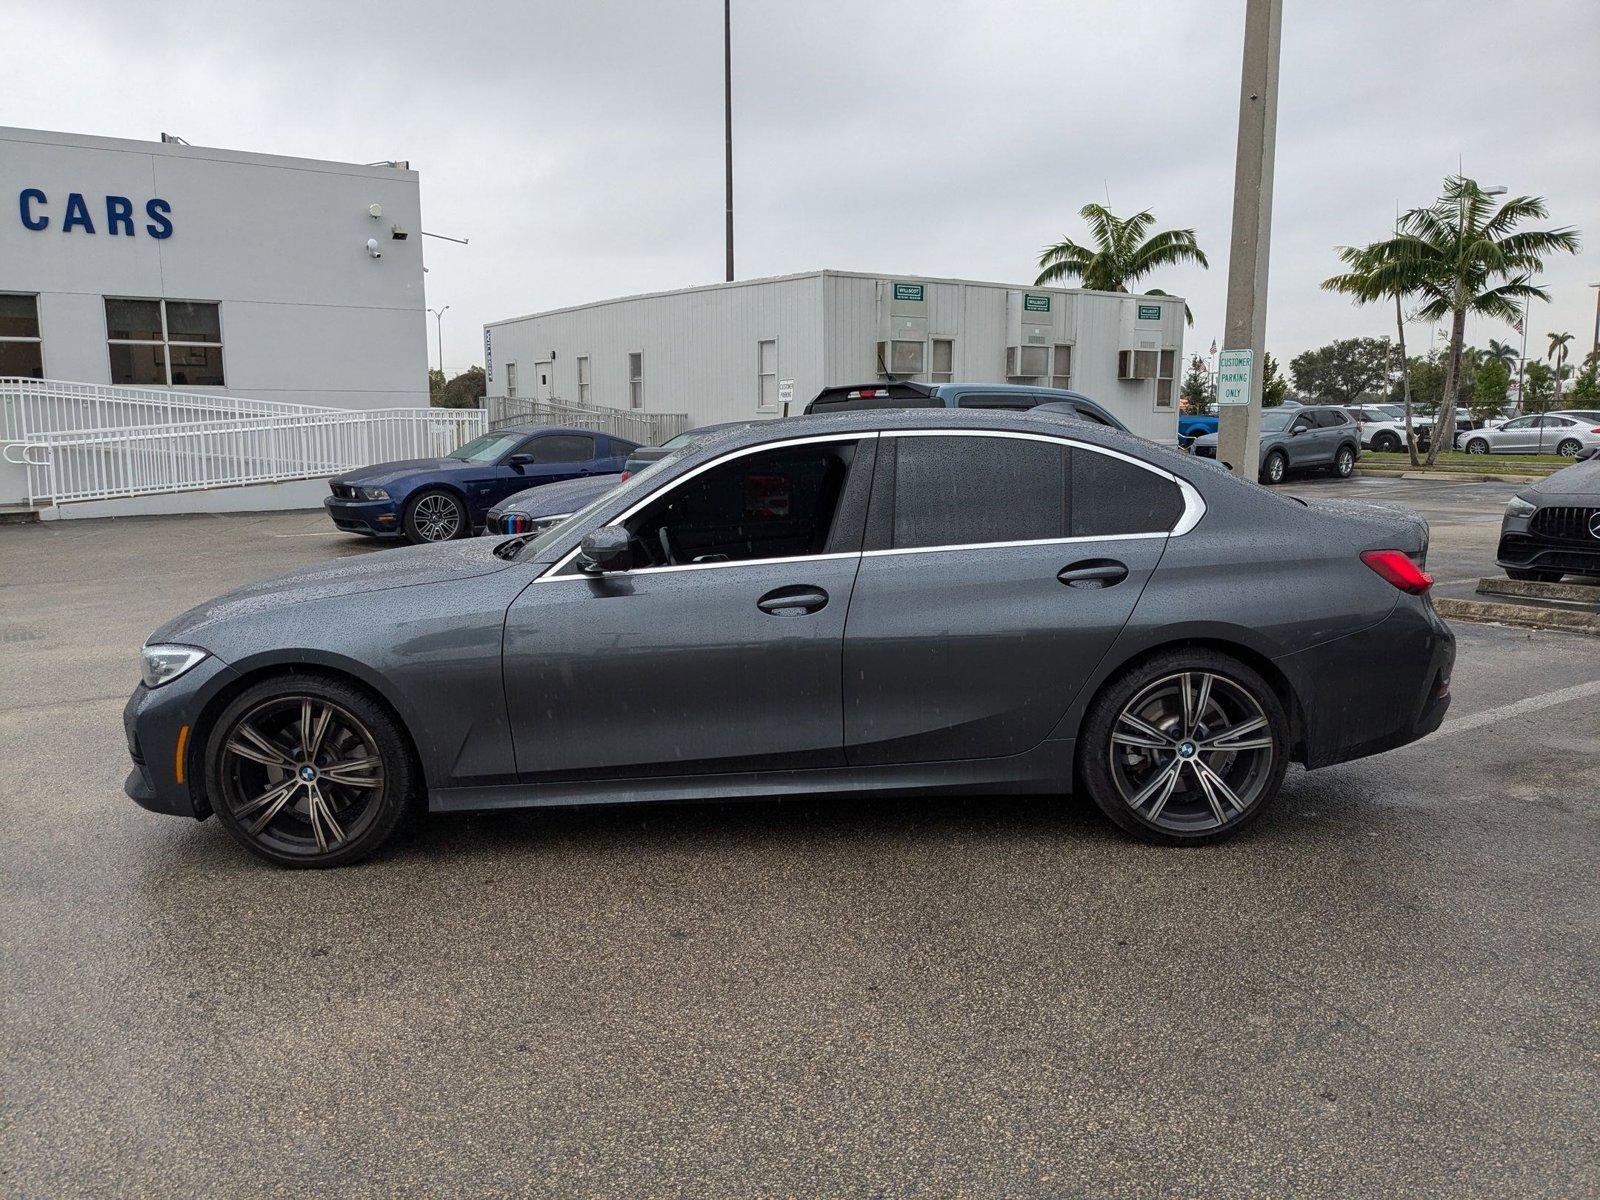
865 603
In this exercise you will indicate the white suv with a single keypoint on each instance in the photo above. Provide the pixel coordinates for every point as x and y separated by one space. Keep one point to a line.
1383 426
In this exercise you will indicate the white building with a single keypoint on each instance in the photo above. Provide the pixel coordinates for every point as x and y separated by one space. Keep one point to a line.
728 351
222 273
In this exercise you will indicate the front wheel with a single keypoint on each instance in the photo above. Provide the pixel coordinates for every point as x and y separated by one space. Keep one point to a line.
435 516
1386 443
1344 462
1570 448
1187 748
308 771
1477 446
1275 468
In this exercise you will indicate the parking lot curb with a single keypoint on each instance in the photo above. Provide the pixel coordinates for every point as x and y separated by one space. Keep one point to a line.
1448 476
1570 593
1566 619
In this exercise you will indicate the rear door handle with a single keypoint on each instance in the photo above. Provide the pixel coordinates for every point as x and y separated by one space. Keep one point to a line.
1093 573
794 601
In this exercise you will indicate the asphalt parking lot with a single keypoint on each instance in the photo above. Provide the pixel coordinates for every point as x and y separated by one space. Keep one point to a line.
1387 986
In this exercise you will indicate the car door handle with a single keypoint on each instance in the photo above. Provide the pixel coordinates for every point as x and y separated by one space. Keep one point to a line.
1093 573
793 601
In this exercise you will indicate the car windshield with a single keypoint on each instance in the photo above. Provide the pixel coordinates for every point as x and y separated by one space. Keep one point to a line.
532 549
1276 422
1393 411
486 448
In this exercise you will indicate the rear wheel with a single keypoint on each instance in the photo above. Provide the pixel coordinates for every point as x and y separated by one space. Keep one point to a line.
1275 468
1570 448
1476 446
1525 575
1187 748
308 771
1344 462
435 516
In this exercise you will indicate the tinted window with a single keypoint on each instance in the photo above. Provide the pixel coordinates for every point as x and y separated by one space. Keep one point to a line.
954 491
1111 497
1089 414
1328 418
775 504
1521 423
561 448
1015 401
487 448
1303 421
842 405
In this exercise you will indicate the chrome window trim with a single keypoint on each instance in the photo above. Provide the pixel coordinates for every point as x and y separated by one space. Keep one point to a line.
708 566
1064 541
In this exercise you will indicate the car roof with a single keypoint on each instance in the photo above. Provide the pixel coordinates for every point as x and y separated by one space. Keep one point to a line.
524 430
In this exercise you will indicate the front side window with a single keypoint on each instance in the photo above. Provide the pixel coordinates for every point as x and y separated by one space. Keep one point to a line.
636 380
1520 423
772 504
176 343
960 490
487 448
21 351
561 448
767 374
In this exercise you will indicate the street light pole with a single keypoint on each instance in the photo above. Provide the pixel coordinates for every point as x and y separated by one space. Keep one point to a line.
438 320
1595 349
1239 427
727 125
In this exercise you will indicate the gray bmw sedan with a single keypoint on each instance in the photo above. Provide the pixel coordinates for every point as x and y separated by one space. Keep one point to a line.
864 603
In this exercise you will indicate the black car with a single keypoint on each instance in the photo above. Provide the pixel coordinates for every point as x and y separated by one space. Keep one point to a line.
1552 528
867 604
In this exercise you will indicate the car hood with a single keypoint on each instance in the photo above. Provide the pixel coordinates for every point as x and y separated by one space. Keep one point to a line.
1578 484
552 498
380 474
374 571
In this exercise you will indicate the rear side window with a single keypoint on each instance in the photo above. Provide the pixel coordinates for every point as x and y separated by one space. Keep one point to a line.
843 405
561 447
1014 401
1111 497
1327 418
957 491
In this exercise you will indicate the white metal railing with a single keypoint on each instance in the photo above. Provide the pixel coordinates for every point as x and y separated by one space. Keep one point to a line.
99 464
646 428
52 405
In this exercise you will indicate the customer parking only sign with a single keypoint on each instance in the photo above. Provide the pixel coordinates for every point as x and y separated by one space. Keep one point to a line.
1234 369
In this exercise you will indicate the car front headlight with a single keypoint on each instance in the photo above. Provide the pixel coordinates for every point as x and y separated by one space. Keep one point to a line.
163 664
374 494
1518 507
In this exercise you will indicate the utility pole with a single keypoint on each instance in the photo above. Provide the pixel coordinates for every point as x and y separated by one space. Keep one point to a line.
438 320
727 123
1239 426
1595 349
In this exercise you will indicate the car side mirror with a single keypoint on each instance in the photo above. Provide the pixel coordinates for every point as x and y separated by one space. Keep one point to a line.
1297 431
606 549
519 461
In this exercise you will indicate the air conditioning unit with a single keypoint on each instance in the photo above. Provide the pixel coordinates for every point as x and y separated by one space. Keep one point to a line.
1137 364
1027 362
902 358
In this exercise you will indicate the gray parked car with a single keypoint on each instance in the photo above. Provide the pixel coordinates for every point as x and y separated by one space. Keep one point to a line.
1552 527
868 603
540 508
1565 433
1300 439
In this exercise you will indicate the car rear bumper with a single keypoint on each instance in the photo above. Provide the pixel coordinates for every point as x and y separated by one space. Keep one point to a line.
379 517
1374 690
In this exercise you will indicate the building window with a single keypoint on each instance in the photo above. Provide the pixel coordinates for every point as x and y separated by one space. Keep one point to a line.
1061 368
636 380
511 381
767 375
1169 360
583 380
176 343
944 361
21 352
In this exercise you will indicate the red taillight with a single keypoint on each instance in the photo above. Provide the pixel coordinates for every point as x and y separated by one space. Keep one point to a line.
624 478
1397 568
1596 429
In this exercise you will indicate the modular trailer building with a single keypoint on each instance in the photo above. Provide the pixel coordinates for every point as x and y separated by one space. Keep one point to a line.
738 351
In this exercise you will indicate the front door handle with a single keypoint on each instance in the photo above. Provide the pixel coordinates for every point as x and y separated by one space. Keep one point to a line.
793 601
1093 573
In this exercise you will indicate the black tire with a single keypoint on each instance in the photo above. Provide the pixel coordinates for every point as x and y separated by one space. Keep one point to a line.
1344 462
1191 813
435 515
1570 448
1476 446
363 772
1274 468
1386 443
1525 575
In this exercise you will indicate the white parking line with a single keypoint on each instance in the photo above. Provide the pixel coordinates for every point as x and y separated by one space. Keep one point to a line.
1517 709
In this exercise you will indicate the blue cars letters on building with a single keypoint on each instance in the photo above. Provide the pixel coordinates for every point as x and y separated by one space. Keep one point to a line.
436 499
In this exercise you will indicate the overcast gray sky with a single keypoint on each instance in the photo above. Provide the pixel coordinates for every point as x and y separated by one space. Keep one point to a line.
579 145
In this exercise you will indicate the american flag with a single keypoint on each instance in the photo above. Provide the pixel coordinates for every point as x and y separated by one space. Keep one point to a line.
1214 343
1517 324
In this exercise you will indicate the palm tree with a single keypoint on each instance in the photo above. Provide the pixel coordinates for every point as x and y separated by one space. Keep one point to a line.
1503 353
1122 254
1558 355
1373 277
1466 255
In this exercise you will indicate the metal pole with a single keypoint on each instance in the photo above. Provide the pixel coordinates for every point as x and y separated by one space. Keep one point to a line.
1595 349
438 319
727 124
1239 427
1522 362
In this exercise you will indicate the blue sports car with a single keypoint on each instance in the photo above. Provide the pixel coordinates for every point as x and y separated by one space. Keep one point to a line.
436 499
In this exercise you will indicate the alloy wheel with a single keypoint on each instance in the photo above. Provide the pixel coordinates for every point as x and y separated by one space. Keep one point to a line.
1192 752
1477 446
1346 463
1275 468
1569 448
301 775
437 518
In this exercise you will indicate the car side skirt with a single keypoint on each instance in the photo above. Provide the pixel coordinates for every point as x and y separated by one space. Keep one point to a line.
1045 768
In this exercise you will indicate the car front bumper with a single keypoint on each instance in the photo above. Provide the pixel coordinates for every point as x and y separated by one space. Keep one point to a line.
1554 538
160 726
377 517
